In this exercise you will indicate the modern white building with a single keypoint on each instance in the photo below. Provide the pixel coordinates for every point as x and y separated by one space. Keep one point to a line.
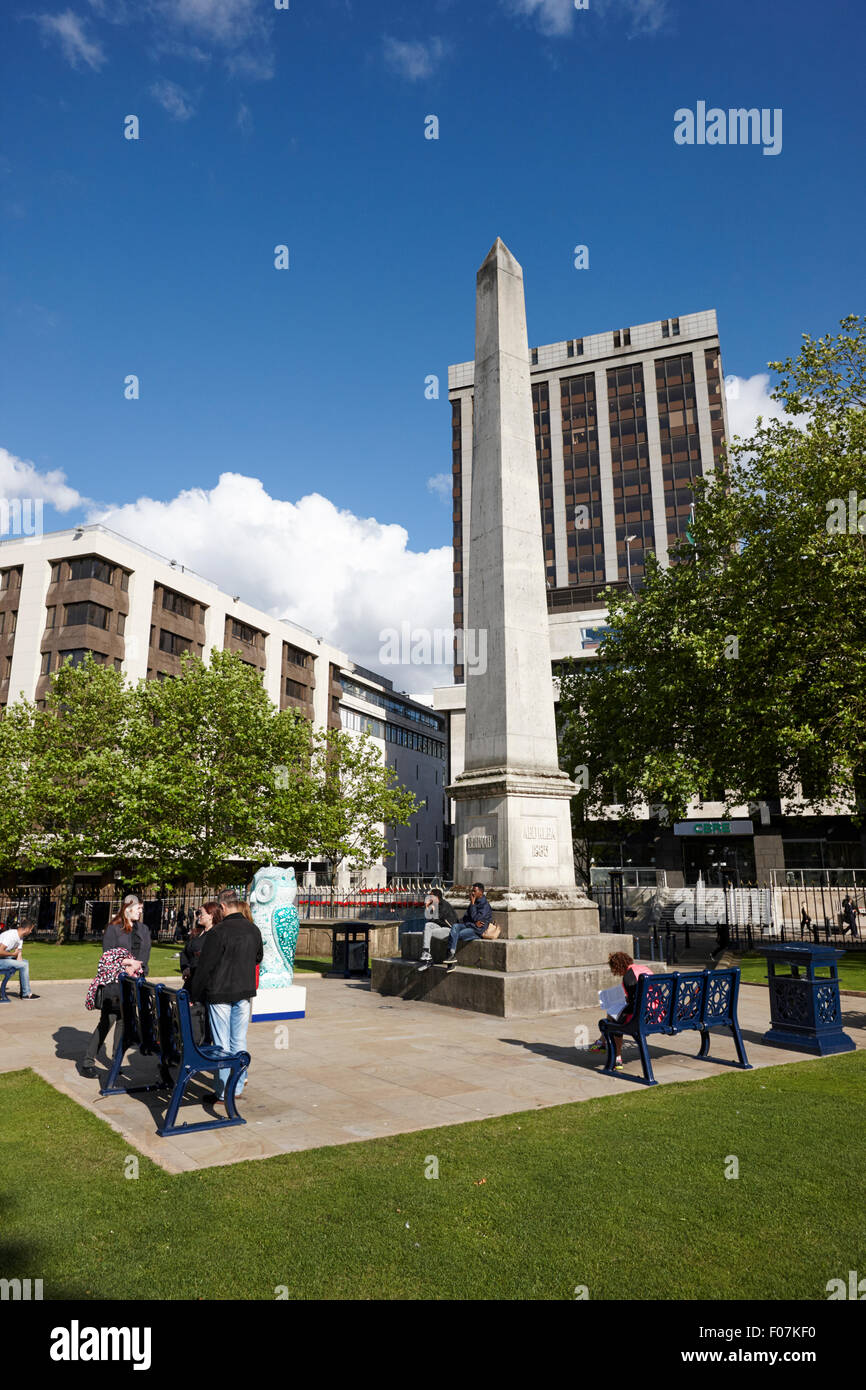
88 589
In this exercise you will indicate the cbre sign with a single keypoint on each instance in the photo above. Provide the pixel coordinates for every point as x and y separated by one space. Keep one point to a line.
714 827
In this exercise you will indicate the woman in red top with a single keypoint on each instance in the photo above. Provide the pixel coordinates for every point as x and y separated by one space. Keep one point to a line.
628 970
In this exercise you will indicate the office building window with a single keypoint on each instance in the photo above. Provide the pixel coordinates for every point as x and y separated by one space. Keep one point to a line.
76 656
91 567
55 572
172 642
629 451
178 603
296 656
244 633
679 435
296 690
86 614
121 624
13 622
50 617
582 472
46 664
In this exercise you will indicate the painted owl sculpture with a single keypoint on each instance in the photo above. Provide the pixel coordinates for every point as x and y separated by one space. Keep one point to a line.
272 901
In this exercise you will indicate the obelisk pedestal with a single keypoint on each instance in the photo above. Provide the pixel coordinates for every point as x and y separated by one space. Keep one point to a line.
513 826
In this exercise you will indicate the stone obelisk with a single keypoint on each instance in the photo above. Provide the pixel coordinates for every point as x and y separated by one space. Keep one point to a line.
512 801
513 826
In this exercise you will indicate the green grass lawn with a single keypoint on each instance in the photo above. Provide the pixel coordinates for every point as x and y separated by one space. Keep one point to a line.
78 961
626 1195
852 970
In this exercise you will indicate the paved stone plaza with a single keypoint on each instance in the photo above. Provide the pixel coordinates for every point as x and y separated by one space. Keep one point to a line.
360 1067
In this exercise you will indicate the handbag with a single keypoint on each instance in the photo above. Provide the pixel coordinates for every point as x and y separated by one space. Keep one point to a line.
492 932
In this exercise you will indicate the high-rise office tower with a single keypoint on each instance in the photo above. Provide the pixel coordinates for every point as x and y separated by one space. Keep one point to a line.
624 423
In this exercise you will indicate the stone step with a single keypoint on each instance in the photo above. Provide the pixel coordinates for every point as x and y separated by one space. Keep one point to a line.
505 994
534 953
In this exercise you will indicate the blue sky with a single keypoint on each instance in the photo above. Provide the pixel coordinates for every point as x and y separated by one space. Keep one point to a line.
306 127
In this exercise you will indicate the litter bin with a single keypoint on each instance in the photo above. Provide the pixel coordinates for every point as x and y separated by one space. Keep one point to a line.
351 953
805 1010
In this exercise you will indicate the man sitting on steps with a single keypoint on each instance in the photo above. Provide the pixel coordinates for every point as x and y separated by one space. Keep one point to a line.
476 920
440 919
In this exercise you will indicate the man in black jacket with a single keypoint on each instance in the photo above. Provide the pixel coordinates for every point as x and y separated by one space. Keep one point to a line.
225 980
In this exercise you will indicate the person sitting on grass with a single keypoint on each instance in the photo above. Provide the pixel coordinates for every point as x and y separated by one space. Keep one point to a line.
476 920
629 971
11 958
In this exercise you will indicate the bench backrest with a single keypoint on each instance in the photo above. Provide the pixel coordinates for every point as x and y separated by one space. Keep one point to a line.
129 1011
686 999
176 1035
148 1016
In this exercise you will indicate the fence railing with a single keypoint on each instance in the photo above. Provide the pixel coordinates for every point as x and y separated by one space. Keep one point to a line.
169 917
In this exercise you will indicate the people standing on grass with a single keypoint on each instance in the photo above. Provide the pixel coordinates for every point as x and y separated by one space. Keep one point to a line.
629 971
440 918
225 980
127 932
12 958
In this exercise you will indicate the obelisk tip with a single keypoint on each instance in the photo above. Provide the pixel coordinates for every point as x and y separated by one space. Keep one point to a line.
500 257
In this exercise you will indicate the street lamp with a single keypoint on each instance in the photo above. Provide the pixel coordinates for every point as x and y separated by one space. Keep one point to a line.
628 541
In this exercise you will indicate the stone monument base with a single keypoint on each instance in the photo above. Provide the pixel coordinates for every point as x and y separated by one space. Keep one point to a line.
550 958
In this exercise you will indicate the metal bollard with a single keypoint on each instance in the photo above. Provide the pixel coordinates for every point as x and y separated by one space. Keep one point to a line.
637 948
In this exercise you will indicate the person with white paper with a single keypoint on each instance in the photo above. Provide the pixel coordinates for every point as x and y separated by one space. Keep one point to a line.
629 970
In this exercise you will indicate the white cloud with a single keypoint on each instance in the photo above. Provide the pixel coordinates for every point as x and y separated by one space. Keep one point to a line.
173 99
558 17
347 578
414 59
69 30
20 478
244 118
239 27
746 399
440 484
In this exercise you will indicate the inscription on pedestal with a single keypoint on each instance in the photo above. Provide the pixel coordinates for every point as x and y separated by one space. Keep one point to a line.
539 838
482 843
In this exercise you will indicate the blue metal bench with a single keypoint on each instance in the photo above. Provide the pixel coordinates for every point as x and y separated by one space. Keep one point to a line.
156 1020
670 1004
5 973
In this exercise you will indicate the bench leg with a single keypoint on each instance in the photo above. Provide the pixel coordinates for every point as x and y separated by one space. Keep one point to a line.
705 1044
645 1060
610 1055
111 1087
738 1043
229 1093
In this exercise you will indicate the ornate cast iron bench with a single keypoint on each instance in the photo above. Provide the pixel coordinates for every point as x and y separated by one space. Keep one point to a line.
669 1004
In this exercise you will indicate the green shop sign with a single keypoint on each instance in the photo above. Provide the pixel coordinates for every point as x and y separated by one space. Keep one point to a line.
714 827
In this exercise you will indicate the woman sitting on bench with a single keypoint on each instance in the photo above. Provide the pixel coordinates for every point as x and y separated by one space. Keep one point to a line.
629 971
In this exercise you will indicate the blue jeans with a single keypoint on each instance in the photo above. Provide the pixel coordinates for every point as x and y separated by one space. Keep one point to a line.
461 932
228 1026
9 966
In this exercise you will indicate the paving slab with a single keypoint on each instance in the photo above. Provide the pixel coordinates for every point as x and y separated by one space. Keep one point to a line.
359 1067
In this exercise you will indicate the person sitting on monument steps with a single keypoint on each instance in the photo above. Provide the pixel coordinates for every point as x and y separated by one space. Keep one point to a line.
225 980
476 920
629 970
440 919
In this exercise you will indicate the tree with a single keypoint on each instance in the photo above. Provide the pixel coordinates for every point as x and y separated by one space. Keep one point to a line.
17 800
743 665
218 776
356 796
77 794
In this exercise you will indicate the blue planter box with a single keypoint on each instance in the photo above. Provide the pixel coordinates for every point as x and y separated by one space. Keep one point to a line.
805 1010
